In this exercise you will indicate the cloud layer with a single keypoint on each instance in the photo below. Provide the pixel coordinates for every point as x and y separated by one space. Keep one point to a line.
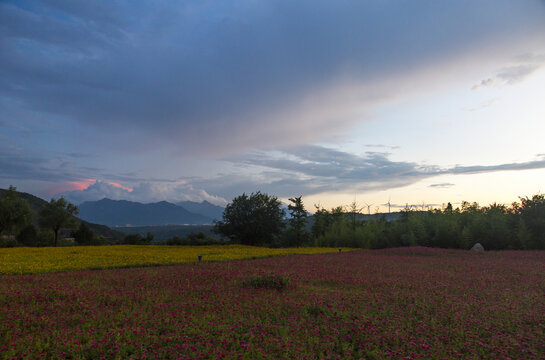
204 100
316 169
145 192
301 170
225 76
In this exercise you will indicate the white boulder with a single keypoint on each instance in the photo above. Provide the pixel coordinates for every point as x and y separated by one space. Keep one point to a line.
477 248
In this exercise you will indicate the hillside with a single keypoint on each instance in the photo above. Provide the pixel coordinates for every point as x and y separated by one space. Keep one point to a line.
129 213
37 203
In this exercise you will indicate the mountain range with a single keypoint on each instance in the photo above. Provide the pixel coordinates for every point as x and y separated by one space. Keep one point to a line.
128 213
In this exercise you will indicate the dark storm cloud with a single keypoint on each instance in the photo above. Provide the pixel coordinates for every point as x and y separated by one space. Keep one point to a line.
229 75
17 164
324 162
314 169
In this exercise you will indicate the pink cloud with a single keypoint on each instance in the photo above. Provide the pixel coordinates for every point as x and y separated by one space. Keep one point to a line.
118 185
65 186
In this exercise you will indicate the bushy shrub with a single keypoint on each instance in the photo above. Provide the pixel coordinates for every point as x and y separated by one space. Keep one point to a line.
314 311
28 236
275 282
137 239
7 242
99 240
194 239
66 242
46 238
84 235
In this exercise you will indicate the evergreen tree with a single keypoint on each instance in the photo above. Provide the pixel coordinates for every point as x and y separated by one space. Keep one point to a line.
298 221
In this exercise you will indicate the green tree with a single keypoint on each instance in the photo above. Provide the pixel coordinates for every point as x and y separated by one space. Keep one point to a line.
15 212
137 239
322 221
338 214
84 235
256 219
28 236
58 214
298 221
532 213
353 210
46 237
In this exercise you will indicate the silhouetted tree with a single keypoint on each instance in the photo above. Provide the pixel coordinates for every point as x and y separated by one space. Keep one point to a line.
15 212
322 220
252 220
298 221
532 214
354 211
58 214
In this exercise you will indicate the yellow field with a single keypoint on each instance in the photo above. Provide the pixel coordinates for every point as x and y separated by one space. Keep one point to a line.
27 260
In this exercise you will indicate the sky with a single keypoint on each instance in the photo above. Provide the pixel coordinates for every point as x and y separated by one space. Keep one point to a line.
402 102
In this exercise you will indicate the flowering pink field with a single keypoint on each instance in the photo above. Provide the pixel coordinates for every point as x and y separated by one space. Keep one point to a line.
397 303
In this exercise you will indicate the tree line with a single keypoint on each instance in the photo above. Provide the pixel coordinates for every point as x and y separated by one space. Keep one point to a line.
19 225
258 219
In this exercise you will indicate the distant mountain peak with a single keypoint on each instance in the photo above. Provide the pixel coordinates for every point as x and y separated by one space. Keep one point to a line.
204 208
122 212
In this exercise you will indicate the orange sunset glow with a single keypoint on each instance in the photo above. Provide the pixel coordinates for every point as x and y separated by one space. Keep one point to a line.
118 185
79 185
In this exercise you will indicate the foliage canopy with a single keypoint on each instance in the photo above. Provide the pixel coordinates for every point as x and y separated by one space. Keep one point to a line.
254 219
58 214
298 221
15 212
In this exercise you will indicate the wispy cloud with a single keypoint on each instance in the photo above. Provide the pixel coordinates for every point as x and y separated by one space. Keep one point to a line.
525 66
316 169
382 146
441 185
483 105
308 169
538 163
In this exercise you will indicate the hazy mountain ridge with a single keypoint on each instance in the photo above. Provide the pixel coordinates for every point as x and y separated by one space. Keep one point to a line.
205 208
129 213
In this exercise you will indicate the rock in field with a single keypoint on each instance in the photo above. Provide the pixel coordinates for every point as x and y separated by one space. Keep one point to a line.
477 248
